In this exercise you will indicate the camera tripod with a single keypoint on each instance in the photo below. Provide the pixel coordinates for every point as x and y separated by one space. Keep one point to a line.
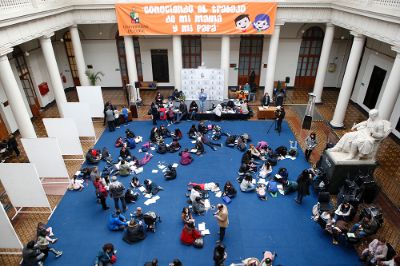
275 126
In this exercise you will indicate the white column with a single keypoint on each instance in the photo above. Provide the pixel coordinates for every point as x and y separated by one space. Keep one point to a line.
392 89
54 73
80 60
348 80
177 51
272 54
15 97
131 63
225 55
323 62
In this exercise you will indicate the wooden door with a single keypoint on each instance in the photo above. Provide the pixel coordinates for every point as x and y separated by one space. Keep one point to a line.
310 51
3 129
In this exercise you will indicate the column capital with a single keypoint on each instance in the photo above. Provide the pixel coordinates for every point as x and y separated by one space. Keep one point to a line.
357 35
396 49
47 35
5 50
330 25
74 26
279 23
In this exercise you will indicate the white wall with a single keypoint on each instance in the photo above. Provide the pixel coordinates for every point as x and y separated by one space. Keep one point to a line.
38 71
370 59
146 45
103 56
211 52
63 64
339 55
286 62
234 59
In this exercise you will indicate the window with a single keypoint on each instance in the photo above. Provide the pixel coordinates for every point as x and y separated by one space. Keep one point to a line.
122 58
71 58
310 51
250 55
191 51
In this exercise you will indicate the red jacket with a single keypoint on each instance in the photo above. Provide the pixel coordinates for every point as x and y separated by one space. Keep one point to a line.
188 235
163 113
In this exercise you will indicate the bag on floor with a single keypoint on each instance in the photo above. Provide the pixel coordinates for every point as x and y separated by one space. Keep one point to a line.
273 161
198 243
226 199
281 150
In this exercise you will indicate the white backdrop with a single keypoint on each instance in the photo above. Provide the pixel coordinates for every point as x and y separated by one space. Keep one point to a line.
45 153
80 113
9 238
94 97
195 79
22 184
65 131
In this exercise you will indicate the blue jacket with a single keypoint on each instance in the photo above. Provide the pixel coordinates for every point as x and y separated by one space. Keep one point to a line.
104 257
115 222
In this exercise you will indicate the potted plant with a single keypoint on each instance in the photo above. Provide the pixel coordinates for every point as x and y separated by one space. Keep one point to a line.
94 77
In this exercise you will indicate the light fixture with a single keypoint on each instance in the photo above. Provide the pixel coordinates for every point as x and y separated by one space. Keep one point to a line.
61 40
100 33
342 37
27 53
302 31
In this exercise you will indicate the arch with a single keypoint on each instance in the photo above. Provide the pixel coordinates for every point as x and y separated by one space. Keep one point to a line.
309 54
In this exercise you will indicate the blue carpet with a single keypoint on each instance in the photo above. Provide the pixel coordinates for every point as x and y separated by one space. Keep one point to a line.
278 224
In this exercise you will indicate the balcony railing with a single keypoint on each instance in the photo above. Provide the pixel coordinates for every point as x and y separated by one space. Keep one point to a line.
16 8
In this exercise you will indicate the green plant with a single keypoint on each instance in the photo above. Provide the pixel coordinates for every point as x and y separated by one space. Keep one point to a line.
94 77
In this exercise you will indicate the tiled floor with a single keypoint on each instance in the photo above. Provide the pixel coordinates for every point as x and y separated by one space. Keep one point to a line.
387 173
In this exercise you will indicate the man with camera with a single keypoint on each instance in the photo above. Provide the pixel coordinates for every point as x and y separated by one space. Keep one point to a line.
222 218
279 116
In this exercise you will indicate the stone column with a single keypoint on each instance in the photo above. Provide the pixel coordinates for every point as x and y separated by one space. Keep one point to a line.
177 52
272 54
348 80
323 62
15 97
392 89
54 73
80 60
225 55
131 63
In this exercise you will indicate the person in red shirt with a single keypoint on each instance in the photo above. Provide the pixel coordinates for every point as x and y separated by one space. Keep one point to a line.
189 233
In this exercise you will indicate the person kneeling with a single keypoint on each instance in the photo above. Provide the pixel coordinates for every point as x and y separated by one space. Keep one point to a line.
134 232
198 206
189 234
117 221
246 185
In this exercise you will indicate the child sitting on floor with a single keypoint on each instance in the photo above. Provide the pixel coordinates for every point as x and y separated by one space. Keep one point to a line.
261 191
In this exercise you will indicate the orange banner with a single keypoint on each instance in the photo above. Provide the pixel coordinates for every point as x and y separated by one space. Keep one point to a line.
195 18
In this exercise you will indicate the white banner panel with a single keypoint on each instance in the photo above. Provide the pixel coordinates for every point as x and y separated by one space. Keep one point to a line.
65 131
195 79
22 184
45 153
9 238
80 113
94 97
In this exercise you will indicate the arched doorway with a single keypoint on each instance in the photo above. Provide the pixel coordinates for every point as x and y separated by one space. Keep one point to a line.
310 51
122 59
250 55
71 58
26 81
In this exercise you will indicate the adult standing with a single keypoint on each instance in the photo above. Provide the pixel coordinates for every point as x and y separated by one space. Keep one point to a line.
219 254
110 118
117 192
202 100
101 192
154 113
12 144
303 184
280 115
223 221
266 100
31 255
311 143
159 99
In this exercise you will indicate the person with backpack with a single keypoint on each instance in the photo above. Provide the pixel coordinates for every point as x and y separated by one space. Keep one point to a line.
101 192
154 113
303 185
117 192
134 232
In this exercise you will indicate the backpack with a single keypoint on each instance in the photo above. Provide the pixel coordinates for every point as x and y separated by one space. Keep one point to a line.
131 143
230 141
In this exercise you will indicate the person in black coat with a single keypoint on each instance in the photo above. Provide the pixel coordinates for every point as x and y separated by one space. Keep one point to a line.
153 112
31 255
193 132
266 100
170 173
193 109
12 144
219 254
229 190
134 232
303 184
279 115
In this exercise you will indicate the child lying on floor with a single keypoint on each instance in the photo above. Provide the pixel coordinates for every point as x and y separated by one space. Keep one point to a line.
206 186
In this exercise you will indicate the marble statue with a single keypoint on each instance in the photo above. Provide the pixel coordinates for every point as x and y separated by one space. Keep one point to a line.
365 138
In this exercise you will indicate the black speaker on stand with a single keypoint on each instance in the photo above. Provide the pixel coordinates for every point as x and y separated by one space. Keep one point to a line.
307 120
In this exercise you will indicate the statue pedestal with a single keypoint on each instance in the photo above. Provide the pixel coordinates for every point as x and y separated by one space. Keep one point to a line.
337 169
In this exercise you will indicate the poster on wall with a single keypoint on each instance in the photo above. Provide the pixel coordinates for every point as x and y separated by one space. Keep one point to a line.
195 18
195 79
